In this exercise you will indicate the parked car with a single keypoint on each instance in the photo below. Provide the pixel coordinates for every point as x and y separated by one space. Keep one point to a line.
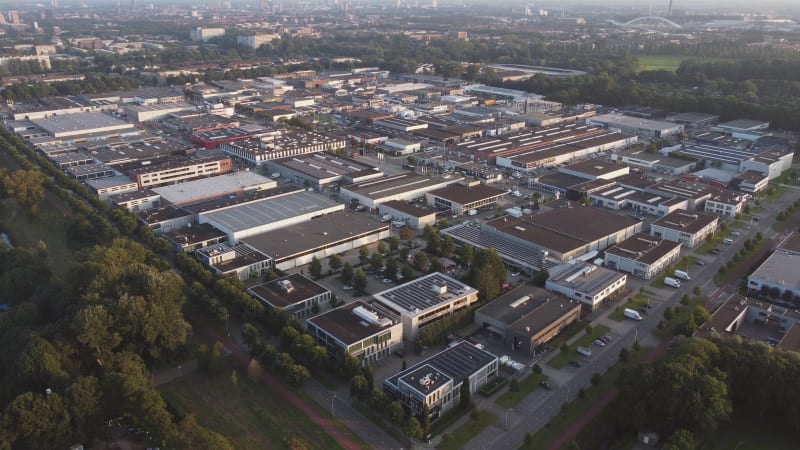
387 280
736 233
546 385
515 274
606 339
574 363
700 262
599 343
716 251
347 288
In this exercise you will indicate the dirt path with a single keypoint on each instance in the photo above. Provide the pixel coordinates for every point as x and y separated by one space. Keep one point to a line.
201 325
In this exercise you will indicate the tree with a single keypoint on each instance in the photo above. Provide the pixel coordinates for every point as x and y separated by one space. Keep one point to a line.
413 429
335 262
37 421
315 269
381 248
466 256
448 246
391 269
376 261
394 243
396 412
425 420
25 186
347 274
680 440
406 233
359 387
407 272
360 281
421 261
363 254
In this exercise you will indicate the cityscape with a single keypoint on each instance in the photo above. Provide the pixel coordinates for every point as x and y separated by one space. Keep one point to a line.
393 224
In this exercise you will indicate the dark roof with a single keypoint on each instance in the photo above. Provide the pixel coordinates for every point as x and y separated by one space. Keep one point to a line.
792 243
313 234
461 194
161 214
135 195
405 208
272 292
456 362
246 197
530 316
343 324
643 248
195 234
685 221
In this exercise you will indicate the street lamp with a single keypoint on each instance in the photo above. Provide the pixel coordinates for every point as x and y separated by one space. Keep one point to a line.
227 330
333 412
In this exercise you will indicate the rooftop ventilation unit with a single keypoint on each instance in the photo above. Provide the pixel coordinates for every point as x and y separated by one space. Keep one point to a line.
286 286
439 289
371 317
520 301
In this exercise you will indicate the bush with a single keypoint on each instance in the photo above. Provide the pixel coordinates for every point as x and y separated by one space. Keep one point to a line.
537 369
513 386
596 378
528 438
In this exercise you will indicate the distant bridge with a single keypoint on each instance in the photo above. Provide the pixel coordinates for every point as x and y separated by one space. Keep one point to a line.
648 22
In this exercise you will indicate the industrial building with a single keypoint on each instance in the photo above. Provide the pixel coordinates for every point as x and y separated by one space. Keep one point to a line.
323 171
285 145
462 197
403 186
179 169
693 119
652 129
136 200
770 163
725 203
591 285
189 239
240 260
411 215
107 187
330 234
752 182
295 294
778 274
205 189
437 381
363 331
528 317
688 228
165 218
618 197
594 169
642 255
420 302
157 111
272 213
78 126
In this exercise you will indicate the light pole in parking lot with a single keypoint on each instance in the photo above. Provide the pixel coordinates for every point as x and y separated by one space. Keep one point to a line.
507 411
333 412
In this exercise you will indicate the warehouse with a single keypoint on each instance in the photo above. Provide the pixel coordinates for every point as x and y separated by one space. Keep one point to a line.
593 169
528 317
74 126
562 151
366 332
156 111
286 145
462 197
725 203
330 234
403 186
136 200
687 228
770 163
323 171
296 294
409 214
591 285
165 218
211 188
653 129
642 255
250 219
179 169
420 302
105 188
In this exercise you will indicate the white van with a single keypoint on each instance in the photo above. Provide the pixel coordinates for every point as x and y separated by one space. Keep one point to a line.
728 241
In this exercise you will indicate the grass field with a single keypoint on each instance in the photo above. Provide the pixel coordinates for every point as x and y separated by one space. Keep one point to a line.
715 241
637 301
526 386
469 430
754 433
563 358
247 414
666 62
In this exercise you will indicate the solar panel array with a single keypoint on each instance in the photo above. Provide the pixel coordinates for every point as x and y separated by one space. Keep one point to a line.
418 295
505 247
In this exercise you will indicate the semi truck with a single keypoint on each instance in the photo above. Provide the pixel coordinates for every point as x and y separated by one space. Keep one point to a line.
682 275
672 282
632 314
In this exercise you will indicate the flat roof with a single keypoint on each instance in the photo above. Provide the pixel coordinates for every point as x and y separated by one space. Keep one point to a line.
396 184
564 229
269 210
457 362
348 327
425 379
560 180
506 246
313 234
594 167
461 194
240 199
87 121
405 208
583 277
792 243
418 296
633 122
210 187
135 195
744 124
692 117
161 214
195 234
685 221
323 165
108 182
273 292
751 176
780 268
528 309
244 256
643 248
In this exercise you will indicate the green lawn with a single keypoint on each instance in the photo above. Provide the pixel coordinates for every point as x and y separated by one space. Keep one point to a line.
775 192
570 412
637 301
563 358
680 318
526 386
660 62
466 432
738 224
715 241
247 413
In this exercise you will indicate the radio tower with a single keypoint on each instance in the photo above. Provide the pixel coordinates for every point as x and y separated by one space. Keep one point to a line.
669 10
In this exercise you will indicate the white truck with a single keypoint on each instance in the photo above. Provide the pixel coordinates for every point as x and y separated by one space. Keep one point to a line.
682 275
632 314
672 282
386 218
472 212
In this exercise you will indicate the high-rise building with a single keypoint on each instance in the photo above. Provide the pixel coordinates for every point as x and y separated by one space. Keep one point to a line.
204 34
